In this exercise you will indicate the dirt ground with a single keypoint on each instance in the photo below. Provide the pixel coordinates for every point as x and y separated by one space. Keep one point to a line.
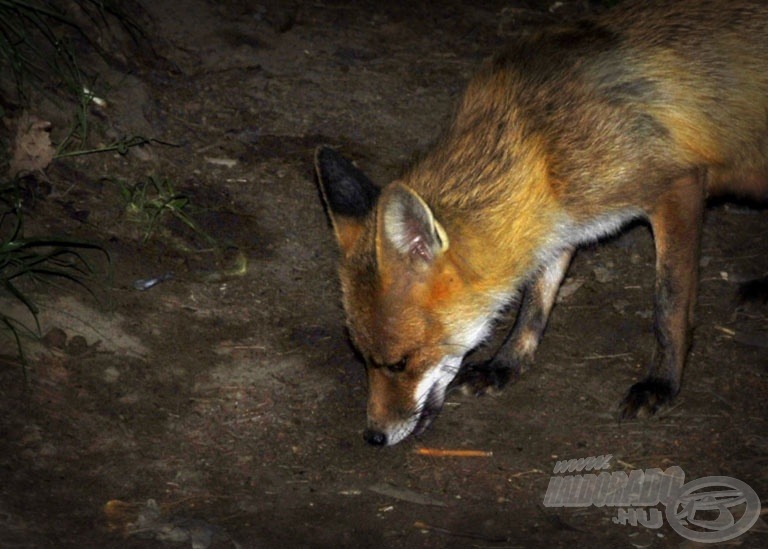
224 407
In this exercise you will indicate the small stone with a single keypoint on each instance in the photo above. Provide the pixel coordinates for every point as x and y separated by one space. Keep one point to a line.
56 338
111 374
603 274
77 346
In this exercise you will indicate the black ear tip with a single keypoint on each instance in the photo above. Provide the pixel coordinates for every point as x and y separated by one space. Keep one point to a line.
326 153
346 189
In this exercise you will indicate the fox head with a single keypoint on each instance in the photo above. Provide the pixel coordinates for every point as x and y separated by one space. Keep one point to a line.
405 293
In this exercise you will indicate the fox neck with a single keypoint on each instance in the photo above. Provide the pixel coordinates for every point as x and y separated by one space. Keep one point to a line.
501 230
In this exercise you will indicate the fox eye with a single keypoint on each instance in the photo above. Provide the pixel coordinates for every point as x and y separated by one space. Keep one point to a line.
397 366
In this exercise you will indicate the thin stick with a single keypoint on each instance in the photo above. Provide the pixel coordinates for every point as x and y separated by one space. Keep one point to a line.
439 452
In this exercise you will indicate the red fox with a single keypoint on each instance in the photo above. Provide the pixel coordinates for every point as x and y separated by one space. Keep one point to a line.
564 138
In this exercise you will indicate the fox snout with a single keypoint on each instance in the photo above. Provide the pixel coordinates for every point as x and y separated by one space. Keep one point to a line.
401 403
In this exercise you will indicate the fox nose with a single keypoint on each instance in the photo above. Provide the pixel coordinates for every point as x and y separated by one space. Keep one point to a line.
375 438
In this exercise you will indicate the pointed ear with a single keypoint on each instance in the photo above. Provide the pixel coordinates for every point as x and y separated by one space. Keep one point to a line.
348 194
408 225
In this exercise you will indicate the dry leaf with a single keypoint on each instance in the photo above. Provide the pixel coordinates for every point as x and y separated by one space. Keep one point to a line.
31 149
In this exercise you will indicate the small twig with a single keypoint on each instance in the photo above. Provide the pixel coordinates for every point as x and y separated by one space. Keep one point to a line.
726 331
439 452
469 535
601 357
524 473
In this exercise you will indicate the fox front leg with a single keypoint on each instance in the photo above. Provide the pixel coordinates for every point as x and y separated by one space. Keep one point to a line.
515 355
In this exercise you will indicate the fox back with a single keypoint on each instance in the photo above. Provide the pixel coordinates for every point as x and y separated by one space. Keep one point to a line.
559 140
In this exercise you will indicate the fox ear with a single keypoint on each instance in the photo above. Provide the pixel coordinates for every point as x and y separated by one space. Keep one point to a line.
348 194
409 226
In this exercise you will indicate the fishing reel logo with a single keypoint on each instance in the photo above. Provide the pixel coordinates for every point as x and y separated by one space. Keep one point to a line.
707 510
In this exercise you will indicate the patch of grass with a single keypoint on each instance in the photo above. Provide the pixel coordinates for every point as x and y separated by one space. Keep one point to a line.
38 42
151 200
28 36
27 262
164 213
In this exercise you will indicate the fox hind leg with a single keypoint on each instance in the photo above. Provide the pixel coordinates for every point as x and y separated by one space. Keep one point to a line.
676 222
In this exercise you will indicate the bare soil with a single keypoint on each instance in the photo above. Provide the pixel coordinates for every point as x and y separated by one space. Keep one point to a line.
224 407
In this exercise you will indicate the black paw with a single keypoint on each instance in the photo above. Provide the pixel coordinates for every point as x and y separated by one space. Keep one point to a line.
645 398
486 377
754 291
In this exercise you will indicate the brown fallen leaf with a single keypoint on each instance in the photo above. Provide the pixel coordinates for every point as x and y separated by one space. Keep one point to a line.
119 514
31 149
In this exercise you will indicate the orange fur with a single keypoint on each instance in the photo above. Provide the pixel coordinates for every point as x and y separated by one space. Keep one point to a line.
559 140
